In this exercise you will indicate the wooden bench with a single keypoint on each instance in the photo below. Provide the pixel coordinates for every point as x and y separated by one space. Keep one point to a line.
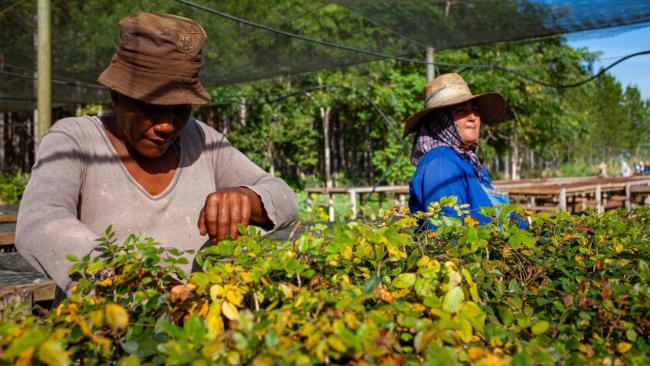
19 281
8 236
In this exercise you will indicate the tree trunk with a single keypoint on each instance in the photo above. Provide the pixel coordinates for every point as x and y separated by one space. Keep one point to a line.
242 112
515 162
325 113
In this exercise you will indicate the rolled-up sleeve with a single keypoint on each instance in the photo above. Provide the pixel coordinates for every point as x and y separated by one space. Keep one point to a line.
48 228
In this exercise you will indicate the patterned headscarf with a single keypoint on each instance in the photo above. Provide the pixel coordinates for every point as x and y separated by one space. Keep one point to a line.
440 130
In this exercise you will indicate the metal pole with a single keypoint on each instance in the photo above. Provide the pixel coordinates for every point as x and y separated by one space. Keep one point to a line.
431 71
44 68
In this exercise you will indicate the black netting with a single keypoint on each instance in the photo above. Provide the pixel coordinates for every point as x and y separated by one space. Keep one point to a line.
85 34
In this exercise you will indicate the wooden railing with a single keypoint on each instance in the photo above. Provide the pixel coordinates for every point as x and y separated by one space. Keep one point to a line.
573 194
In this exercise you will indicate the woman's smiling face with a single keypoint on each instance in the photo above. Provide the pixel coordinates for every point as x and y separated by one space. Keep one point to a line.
468 122
147 128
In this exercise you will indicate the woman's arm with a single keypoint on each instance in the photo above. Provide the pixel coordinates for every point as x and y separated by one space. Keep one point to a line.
48 229
243 188
440 178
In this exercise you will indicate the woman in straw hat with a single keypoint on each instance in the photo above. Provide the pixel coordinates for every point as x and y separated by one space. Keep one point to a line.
446 146
148 168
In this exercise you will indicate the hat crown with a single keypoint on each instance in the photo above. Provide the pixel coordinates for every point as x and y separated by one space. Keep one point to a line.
163 36
446 89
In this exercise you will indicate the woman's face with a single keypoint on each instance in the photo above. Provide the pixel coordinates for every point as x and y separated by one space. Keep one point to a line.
150 129
468 122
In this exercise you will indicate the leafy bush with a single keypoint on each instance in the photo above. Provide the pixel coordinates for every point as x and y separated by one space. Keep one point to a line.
12 187
570 290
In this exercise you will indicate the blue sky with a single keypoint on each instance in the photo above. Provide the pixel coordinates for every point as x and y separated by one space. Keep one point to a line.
634 71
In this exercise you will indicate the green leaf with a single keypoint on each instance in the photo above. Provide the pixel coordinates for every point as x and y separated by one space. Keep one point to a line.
52 353
453 299
405 280
540 327
370 285
31 338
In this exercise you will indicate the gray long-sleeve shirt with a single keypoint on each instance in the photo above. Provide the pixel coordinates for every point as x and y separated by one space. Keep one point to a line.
79 186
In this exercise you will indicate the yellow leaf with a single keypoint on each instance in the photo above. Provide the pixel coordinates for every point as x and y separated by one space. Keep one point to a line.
85 329
216 291
286 290
52 353
230 311
234 296
396 254
116 316
246 277
104 342
347 252
423 261
25 358
475 353
97 317
618 247
105 282
623 347
493 360
336 343
214 321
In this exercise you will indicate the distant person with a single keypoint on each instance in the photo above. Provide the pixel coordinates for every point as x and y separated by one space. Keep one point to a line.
602 169
149 167
625 169
446 147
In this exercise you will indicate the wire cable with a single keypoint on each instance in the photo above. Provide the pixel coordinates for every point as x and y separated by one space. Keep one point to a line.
405 59
3 11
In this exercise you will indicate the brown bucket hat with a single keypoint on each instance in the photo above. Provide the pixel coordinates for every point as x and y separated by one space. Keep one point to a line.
158 60
450 89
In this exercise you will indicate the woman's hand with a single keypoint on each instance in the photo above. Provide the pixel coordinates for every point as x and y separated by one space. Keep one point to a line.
225 209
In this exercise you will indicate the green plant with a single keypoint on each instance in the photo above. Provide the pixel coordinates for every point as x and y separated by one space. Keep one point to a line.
570 290
12 187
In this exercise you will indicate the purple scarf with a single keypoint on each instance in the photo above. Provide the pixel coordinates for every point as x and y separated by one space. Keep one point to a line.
440 130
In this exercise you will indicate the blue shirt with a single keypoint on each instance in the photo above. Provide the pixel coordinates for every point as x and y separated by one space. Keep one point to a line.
442 172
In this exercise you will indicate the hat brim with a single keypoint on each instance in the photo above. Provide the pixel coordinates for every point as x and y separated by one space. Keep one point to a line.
491 108
153 88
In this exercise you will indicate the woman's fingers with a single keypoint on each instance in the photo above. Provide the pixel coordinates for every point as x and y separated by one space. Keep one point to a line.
202 228
223 212
235 217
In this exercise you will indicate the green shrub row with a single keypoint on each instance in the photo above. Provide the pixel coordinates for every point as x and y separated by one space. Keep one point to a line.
569 290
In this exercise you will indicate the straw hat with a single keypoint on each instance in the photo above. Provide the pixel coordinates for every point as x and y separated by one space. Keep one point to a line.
158 60
450 89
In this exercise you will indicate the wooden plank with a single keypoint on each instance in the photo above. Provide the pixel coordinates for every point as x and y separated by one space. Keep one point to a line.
7 238
41 291
4 218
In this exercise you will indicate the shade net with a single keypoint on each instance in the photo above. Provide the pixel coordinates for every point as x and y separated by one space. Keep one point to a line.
85 35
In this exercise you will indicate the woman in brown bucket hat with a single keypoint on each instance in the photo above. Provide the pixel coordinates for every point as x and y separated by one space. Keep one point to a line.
446 146
149 167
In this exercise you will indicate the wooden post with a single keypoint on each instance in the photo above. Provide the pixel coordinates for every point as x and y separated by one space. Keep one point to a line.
330 205
628 197
599 199
353 203
431 71
563 199
44 68
310 203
